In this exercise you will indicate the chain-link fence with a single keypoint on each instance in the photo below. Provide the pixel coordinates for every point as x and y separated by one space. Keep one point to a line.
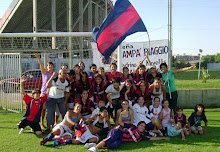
59 50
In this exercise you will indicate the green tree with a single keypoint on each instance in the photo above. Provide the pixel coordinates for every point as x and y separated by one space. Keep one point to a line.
217 57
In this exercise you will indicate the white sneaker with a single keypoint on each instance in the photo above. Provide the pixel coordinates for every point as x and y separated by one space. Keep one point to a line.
89 145
21 131
93 149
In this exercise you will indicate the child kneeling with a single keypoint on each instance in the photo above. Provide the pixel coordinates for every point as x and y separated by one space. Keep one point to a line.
34 107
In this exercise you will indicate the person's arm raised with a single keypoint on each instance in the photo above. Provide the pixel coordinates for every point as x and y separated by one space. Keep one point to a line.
184 69
43 70
23 79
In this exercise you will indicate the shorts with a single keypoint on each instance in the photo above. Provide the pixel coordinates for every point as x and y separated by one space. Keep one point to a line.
34 125
64 130
194 128
113 139
86 136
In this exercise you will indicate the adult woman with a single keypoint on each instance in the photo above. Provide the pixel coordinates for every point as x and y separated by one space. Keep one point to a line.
125 115
168 79
64 129
158 90
46 74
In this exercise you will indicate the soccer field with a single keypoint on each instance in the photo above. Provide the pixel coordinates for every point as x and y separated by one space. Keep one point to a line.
28 142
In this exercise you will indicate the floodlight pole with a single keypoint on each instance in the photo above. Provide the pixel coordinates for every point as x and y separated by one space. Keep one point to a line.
170 41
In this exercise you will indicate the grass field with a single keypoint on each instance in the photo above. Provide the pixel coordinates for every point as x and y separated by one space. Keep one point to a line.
28 142
189 80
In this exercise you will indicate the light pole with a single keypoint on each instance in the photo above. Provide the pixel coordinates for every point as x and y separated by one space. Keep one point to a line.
200 55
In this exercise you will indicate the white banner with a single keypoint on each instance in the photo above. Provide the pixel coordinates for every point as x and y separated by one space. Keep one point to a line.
134 52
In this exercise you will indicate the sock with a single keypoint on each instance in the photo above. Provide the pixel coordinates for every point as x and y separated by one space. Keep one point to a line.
49 137
68 141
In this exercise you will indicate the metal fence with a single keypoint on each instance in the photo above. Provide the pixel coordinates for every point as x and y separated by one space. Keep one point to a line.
17 59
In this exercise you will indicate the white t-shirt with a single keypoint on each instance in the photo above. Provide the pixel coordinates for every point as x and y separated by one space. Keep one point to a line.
155 111
95 112
58 88
140 113
115 93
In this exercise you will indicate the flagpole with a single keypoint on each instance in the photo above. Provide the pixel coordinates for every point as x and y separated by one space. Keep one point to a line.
119 58
149 48
170 34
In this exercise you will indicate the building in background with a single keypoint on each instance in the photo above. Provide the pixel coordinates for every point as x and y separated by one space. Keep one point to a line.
192 59
52 16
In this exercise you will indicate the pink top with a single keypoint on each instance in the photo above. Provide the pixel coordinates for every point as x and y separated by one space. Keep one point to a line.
166 116
110 75
45 78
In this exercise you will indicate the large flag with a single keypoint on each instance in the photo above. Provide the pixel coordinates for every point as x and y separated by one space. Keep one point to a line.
122 21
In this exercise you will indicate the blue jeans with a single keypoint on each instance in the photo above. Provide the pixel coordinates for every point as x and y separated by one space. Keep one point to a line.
51 108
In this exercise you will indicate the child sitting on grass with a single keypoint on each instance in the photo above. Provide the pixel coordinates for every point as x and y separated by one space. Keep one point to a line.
34 107
181 116
175 130
195 120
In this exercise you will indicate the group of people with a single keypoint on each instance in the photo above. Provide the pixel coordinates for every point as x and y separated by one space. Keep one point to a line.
142 105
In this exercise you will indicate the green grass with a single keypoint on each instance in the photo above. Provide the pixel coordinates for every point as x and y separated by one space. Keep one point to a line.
189 80
11 141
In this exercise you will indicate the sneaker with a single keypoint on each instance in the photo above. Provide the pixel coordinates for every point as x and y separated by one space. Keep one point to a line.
42 142
58 142
21 131
152 134
93 149
89 145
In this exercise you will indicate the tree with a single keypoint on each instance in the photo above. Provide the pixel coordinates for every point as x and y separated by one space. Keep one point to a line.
217 57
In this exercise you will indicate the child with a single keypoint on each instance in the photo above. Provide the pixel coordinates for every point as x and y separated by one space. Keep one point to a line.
165 114
101 104
98 89
115 89
34 107
64 129
93 69
195 120
131 90
118 136
141 74
126 75
181 116
155 110
175 130
114 73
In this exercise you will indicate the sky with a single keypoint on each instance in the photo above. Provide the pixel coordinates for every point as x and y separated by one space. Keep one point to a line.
196 24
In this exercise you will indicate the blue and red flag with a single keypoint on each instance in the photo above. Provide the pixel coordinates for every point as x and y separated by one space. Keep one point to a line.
122 21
